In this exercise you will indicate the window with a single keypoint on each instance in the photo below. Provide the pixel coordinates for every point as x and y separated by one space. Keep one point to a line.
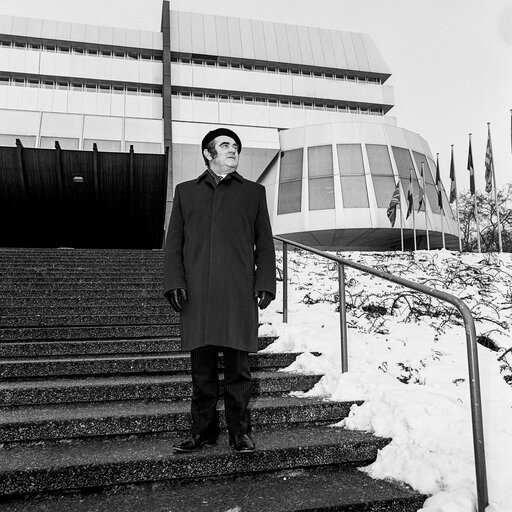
106 53
90 87
133 56
5 43
321 181
403 162
339 76
354 193
284 71
247 67
236 99
47 84
92 51
317 74
320 161
146 91
296 104
235 65
118 89
198 96
321 194
350 159
63 49
271 69
119 55
33 83
211 63
306 72
223 64
19 82
329 76
211 97
185 61
248 99
290 182
261 101
384 187
78 51
197 62
132 91
259 68
104 88
294 71
272 102
223 97
49 47
147 56
330 106
4 80
308 105
284 103
378 158
19 45
157 56
63 86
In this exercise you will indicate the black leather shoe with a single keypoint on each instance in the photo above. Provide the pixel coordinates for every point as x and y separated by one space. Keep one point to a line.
194 443
242 443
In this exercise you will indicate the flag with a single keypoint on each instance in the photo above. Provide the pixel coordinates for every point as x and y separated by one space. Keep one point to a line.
395 201
410 199
438 184
471 169
420 191
453 184
489 164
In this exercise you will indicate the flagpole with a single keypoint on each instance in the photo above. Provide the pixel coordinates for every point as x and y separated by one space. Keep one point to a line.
500 244
425 205
440 198
413 214
473 191
401 226
456 202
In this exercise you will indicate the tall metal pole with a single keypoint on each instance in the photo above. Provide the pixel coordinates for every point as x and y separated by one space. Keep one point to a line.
425 204
500 243
285 282
343 318
456 200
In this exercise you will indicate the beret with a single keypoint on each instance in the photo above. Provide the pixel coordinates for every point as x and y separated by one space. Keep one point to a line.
217 133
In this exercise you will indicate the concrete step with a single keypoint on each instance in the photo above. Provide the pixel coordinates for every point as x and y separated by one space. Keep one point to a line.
43 348
21 312
334 488
107 318
126 281
102 462
65 421
9 302
134 387
88 332
115 364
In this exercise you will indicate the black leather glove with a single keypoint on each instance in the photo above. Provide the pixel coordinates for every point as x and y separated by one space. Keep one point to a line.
176 298
265 298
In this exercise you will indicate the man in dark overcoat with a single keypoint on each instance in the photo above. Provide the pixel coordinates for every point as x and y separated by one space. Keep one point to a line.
219 266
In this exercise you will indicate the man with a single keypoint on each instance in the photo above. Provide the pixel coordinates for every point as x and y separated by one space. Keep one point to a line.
219 265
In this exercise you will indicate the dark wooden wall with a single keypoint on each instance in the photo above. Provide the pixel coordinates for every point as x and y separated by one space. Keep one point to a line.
118 203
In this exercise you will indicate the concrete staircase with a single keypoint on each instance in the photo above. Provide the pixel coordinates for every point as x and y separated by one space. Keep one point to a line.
94 392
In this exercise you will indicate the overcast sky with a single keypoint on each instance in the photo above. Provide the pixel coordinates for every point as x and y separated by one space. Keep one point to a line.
451 60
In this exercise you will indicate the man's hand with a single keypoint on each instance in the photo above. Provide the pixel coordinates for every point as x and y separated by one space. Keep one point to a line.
176 298
265 298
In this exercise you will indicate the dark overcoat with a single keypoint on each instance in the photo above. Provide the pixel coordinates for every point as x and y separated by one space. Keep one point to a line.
219 248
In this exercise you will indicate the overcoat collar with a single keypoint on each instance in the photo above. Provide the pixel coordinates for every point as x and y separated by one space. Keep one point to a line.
232 175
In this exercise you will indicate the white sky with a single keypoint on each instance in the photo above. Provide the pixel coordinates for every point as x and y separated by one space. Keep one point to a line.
451 60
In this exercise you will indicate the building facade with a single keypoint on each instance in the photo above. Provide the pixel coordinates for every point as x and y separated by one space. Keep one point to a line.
309 104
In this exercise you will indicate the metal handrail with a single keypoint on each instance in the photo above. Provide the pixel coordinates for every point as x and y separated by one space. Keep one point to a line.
469 324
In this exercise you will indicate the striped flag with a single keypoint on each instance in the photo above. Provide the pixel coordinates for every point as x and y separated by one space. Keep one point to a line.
438 184
453 184
489 163
410 198
421 193
471 169
395 201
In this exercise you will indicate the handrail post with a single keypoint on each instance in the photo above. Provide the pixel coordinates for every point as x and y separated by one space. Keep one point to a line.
343 318
476 411
285 282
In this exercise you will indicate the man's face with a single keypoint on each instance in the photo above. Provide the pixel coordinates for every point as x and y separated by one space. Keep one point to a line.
226 159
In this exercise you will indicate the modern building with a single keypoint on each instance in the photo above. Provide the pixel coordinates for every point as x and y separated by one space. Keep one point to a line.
309 104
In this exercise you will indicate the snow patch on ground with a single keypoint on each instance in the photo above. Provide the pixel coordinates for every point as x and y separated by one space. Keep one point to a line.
408 362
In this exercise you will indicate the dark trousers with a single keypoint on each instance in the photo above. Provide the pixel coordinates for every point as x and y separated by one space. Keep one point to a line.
205 394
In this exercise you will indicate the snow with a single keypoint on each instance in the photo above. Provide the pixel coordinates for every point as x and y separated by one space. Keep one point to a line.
408 362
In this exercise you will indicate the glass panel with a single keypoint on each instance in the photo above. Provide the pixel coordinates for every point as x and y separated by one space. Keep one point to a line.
384 187
353 189
418 158
291 165
403 162
64 142
289 197
350 159
103 145
433 198
321 193
378 157
320 161
415 193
